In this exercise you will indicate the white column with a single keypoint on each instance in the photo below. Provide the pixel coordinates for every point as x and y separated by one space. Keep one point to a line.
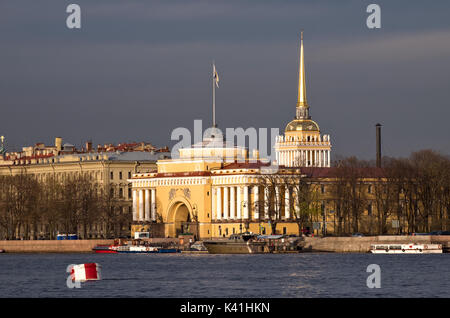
219 203
141 205
323 159
246 202
213 203
153 191
307 158
232 202
239 203
278 201
225 203
266 202
320 158
135 207
329 160
147 205
286 204
256 200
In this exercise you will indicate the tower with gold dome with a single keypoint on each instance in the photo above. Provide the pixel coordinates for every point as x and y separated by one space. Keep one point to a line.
302 144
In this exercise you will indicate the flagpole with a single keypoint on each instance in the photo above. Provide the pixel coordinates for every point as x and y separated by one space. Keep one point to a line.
214 97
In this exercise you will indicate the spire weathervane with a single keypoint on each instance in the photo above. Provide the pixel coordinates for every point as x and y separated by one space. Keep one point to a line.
302 104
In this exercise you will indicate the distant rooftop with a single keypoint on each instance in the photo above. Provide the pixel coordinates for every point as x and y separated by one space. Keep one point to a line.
40 153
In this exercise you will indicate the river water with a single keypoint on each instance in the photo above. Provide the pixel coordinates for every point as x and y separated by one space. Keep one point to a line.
204 275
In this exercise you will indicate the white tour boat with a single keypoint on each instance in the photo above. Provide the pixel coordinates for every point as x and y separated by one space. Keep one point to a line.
411 248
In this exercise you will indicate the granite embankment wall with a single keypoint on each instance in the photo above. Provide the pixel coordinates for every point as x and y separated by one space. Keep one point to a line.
362 244
64 246
51 246
313 244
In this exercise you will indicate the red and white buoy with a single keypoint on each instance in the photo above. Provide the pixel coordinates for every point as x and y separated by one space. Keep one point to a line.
85 272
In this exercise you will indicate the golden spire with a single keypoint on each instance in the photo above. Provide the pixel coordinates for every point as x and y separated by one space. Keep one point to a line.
301 102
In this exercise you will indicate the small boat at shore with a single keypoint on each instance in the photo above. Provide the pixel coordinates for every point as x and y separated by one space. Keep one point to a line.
106 249
245 243
146 249
411 248
135 246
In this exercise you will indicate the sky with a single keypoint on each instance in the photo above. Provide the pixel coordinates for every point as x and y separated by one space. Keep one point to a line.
136 70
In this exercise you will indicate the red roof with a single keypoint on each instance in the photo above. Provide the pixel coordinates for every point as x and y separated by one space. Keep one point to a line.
246 165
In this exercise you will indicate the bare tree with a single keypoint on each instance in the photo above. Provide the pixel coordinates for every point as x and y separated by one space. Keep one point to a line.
272 185
306 203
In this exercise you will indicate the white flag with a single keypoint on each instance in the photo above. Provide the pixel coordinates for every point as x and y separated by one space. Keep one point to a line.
215 75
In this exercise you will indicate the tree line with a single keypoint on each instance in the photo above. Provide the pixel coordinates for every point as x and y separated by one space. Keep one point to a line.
78 204
405 195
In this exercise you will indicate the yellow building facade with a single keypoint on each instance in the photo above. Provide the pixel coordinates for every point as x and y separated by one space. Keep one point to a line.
108 169
214 189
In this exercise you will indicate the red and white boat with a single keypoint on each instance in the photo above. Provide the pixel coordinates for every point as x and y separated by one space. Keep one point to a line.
108 249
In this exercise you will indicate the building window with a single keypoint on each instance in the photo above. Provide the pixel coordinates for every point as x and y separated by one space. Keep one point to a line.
369 189
322 188
369 209
129 174
129 193
112 175
284 230
207 193
120 193
120 175
263 230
